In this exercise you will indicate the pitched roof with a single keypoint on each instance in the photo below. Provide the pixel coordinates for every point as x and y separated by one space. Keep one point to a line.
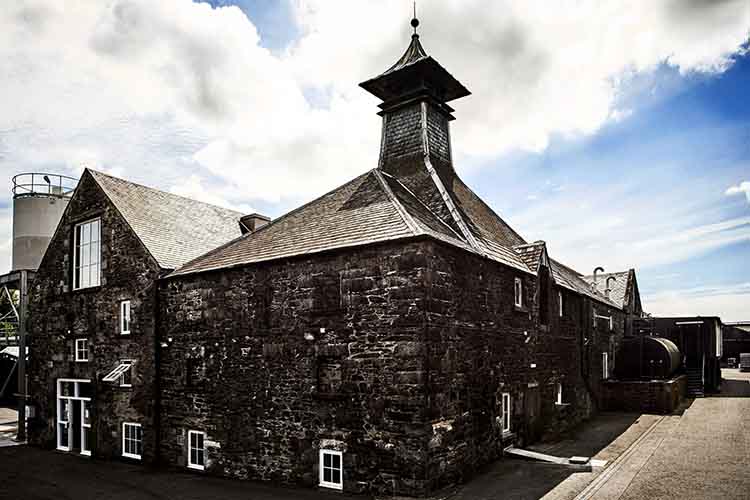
374 207
574 281
174 229
618 286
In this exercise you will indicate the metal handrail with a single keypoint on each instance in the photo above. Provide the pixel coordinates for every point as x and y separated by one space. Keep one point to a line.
32 183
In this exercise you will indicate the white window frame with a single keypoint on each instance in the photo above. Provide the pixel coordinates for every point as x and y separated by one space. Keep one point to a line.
129 372
506 411
125 438
559 396
518 292
191 464
64 421
605 365
560 302
125 317
82 353
78 245
328 484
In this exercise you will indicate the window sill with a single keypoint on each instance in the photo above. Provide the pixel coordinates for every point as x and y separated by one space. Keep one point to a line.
520 309
196 467
560 406
133 457
331 486
88 289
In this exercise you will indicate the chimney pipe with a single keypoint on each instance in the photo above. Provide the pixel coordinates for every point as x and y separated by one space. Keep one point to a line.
608 289
252 222
596 271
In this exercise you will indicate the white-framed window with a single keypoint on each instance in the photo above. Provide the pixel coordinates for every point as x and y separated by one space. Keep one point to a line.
126 379
605 365
560 302
331 469
506 411
559 393
125 317
132 440
196 450
518 287
87 254
82 350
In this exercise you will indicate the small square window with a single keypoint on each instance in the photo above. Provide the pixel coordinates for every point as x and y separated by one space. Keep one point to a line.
132 440
331 469
196 450
82 350
518 287
329 378
125 317
506 412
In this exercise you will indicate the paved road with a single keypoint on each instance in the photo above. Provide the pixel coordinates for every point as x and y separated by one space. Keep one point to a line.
703 454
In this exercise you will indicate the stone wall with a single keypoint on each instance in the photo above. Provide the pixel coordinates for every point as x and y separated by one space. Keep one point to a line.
397 354
58 315
481 345
326 351
648 396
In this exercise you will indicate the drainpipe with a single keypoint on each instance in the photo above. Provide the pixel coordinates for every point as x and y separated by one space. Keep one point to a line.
21 334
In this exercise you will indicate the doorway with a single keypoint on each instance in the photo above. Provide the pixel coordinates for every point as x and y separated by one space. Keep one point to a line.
74 416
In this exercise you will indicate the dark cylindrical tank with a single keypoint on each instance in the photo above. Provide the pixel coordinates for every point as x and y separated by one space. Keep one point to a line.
647 357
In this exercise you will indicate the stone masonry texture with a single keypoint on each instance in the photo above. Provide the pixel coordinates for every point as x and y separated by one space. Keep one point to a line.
59 315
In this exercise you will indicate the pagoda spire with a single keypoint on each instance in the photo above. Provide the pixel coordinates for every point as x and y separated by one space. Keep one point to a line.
415 148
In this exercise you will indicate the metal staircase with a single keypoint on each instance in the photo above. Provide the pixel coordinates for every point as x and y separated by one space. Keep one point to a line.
695 383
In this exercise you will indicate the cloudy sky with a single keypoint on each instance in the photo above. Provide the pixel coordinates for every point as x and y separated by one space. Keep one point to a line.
618 132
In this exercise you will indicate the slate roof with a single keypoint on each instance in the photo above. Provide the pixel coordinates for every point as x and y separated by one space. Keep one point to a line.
371 208
618 287
174 229
572 280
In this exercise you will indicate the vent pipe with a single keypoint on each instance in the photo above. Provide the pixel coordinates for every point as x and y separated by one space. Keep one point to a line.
608 289
596 272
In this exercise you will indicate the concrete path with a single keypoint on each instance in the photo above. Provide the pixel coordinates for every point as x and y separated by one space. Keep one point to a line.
8 427
702 454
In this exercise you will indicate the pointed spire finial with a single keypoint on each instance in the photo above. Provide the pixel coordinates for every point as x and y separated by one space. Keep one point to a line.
414 20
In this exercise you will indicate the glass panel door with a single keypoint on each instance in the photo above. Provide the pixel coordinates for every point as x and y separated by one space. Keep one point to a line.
85 428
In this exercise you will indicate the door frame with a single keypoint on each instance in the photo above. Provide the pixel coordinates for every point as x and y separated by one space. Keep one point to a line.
85 423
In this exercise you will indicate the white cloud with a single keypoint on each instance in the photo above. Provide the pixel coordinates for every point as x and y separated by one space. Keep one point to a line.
732 302
742 187
160 91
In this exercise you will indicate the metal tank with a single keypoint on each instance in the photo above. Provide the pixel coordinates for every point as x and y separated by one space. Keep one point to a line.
39 200
647 357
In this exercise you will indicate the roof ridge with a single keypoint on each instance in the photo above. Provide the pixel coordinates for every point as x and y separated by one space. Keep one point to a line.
406 216
97 172
411 193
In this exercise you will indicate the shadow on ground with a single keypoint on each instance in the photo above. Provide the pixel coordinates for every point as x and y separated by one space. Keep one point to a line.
733 388
512 478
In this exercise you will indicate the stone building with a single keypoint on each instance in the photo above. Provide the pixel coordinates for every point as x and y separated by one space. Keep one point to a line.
622 289
391 336
92 373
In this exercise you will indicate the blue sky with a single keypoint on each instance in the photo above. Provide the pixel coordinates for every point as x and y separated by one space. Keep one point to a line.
618 133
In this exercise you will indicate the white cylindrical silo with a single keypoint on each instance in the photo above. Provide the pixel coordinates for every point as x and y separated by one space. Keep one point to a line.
39 201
